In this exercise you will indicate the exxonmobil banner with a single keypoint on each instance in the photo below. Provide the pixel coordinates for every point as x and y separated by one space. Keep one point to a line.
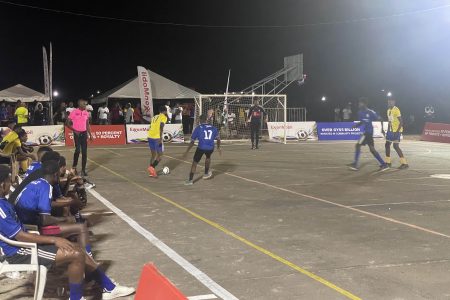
102 135
436 132
145 90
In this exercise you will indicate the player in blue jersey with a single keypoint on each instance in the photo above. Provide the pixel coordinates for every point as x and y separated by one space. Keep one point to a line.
51 250
206 134
36 165
366 116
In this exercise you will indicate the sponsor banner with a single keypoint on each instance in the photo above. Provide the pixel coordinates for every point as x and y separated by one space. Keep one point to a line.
102 135
52 135
145 90
137 133
344 131
295 131
436 132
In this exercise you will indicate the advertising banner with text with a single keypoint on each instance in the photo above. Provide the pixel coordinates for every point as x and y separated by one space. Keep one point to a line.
102 135
436 132
344 131
295 131
137 133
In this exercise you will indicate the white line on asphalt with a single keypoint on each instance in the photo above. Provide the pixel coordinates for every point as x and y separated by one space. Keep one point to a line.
203 297
191 269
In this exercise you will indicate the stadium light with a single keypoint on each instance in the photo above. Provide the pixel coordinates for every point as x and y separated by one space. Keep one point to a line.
324 99
55 94
389 94
98 91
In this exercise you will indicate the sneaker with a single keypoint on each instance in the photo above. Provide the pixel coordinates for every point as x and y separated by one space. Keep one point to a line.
253 147
118 291
189 182
403 166
353 167
257 147
152 172
389 164
84 173
383 167
89 185
208 176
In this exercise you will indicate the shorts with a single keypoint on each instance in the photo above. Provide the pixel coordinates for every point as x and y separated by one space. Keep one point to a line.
154 145
199 154
366 139
393 137
46 256
50 230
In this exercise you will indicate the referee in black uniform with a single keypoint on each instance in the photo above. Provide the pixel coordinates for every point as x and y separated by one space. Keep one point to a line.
254 117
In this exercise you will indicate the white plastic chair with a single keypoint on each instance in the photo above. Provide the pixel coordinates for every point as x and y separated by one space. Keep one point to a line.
41 271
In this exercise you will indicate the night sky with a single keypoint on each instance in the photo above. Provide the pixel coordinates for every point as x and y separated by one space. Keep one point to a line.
408 55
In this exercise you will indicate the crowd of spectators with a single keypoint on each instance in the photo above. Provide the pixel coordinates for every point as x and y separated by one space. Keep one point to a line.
25 114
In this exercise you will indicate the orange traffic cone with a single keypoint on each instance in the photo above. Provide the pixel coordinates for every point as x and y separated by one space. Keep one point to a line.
154 286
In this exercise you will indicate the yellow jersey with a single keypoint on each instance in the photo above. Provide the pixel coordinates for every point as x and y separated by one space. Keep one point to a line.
154 132
22 115
393 118
10 143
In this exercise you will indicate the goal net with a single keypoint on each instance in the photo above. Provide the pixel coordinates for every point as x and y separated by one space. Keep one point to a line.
229 113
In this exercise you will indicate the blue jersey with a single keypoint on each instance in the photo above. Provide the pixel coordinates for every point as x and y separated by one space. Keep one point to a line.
34 200
366 117
33 167
9 227
205 134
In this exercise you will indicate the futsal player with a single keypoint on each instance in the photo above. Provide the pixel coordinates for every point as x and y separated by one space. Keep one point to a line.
155 140
255 114
395 129
206 134
366 116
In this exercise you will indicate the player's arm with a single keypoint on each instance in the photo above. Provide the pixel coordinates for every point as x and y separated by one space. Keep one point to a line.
88 127
23 153
357 124
161 132
44 208
69 124
249 115
400 125
265 115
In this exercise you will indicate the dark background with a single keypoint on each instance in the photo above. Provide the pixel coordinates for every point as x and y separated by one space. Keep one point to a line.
408 54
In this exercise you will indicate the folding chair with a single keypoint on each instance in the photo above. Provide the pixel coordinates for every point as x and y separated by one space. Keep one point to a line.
41 271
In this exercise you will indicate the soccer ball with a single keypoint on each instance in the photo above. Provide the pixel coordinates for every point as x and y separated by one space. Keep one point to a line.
166 170
302 135
45 139
167 137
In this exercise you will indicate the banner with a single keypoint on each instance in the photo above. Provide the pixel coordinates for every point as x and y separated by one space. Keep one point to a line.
436 132
344 131
145 90
295 131
52 135
102 135
137 133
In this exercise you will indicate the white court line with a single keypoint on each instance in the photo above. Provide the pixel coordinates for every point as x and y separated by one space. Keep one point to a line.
203 297
191 269
398 203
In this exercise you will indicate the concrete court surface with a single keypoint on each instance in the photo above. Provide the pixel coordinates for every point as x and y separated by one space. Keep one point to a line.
283 222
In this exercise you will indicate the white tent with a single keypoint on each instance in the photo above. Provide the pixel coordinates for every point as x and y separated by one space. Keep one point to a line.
22 93
162 88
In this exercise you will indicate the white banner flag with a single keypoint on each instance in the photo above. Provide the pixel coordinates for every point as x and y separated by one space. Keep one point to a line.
46 75
145 90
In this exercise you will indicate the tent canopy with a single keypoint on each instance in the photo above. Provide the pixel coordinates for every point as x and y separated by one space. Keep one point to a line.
162 88
23 93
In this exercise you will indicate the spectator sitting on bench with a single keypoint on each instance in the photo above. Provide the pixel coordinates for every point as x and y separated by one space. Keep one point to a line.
51 250
11 145
24 158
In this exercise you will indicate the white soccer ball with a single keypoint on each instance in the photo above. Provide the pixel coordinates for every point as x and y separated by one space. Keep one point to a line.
302 135
167 137
166 170
45 139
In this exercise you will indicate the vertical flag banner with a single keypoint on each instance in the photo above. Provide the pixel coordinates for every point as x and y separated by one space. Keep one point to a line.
46 75
145 90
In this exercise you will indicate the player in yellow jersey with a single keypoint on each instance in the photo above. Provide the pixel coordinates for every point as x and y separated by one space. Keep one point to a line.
395 129
155 139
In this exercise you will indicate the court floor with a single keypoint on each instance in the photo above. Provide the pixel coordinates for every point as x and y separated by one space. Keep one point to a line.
283 222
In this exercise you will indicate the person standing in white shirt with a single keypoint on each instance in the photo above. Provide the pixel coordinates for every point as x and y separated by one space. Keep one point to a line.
169 112
347 113
178 111
103 113
70 108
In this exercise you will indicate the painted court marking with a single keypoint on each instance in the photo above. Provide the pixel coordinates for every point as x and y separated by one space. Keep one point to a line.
203 297
191 269
230 233
399 203
420 228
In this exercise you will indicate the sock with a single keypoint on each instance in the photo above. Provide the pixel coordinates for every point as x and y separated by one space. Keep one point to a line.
403 161
357 153
78 217
76 291
155 163
378 157
89 250
103 280
191 176
387 159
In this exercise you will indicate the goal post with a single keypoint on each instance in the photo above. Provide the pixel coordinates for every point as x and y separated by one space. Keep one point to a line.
229 113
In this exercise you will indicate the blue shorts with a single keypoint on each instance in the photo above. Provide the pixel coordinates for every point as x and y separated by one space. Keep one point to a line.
393 137
155 145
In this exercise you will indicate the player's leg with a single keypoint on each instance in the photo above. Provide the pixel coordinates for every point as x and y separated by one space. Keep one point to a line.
83 143
76 153
78 230
403 162
152 144
208 173
257 132
252 134
371 144
355 164
387 147
197 157
158 157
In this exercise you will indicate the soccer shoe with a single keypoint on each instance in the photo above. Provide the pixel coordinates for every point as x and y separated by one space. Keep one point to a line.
152 172
353 167
403 166
383 168
89 185
118 291
84 173
208 176
189 182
